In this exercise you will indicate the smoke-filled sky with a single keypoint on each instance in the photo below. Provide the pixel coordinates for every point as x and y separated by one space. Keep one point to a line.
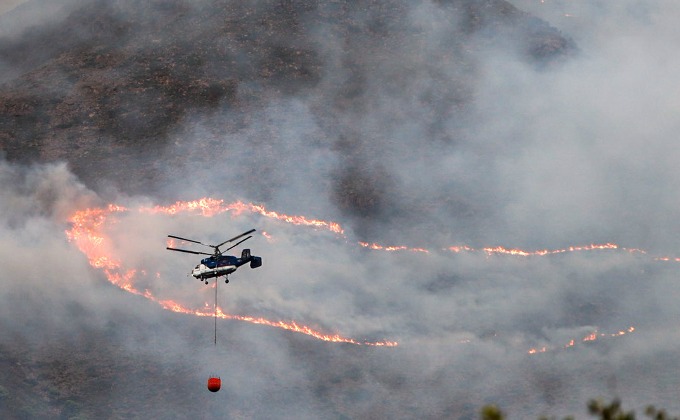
9 5
577 152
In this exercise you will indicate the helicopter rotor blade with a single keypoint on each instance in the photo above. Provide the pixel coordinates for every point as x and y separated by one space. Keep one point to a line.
237 243
236 237
189 240
187 251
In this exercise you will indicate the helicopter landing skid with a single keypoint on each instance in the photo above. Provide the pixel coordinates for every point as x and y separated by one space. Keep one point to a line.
226 280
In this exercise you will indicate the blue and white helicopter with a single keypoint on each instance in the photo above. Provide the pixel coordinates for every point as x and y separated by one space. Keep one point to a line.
217 265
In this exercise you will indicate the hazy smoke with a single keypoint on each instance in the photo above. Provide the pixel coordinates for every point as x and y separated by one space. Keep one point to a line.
408 129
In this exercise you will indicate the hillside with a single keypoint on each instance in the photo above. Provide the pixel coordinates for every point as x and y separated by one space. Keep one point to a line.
115 89
106 82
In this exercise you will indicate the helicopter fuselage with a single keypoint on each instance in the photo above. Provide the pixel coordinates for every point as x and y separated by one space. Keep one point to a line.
217 266
201 271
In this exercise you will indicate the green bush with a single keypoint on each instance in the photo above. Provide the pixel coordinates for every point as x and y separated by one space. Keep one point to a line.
596 408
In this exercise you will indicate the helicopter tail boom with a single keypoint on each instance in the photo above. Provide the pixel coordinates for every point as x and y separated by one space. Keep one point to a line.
246 258
255 262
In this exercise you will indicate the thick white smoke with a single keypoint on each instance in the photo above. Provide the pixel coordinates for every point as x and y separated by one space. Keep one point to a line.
426 141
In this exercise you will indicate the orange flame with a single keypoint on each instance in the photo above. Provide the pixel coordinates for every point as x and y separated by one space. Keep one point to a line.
87 233
209 207
499 250
590 337
377 247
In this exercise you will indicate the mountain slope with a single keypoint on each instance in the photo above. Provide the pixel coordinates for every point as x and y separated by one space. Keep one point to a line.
107 81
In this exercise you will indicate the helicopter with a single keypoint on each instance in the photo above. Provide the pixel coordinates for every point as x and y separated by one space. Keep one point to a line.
216 264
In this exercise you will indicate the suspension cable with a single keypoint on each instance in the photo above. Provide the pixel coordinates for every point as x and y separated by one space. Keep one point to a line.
216 283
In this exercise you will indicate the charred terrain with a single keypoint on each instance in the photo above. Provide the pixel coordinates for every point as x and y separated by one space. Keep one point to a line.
117 88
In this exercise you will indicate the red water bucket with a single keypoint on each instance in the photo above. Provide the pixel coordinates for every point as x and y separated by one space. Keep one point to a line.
214 383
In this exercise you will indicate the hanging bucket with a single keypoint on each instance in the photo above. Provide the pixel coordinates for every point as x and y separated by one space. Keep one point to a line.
214 383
